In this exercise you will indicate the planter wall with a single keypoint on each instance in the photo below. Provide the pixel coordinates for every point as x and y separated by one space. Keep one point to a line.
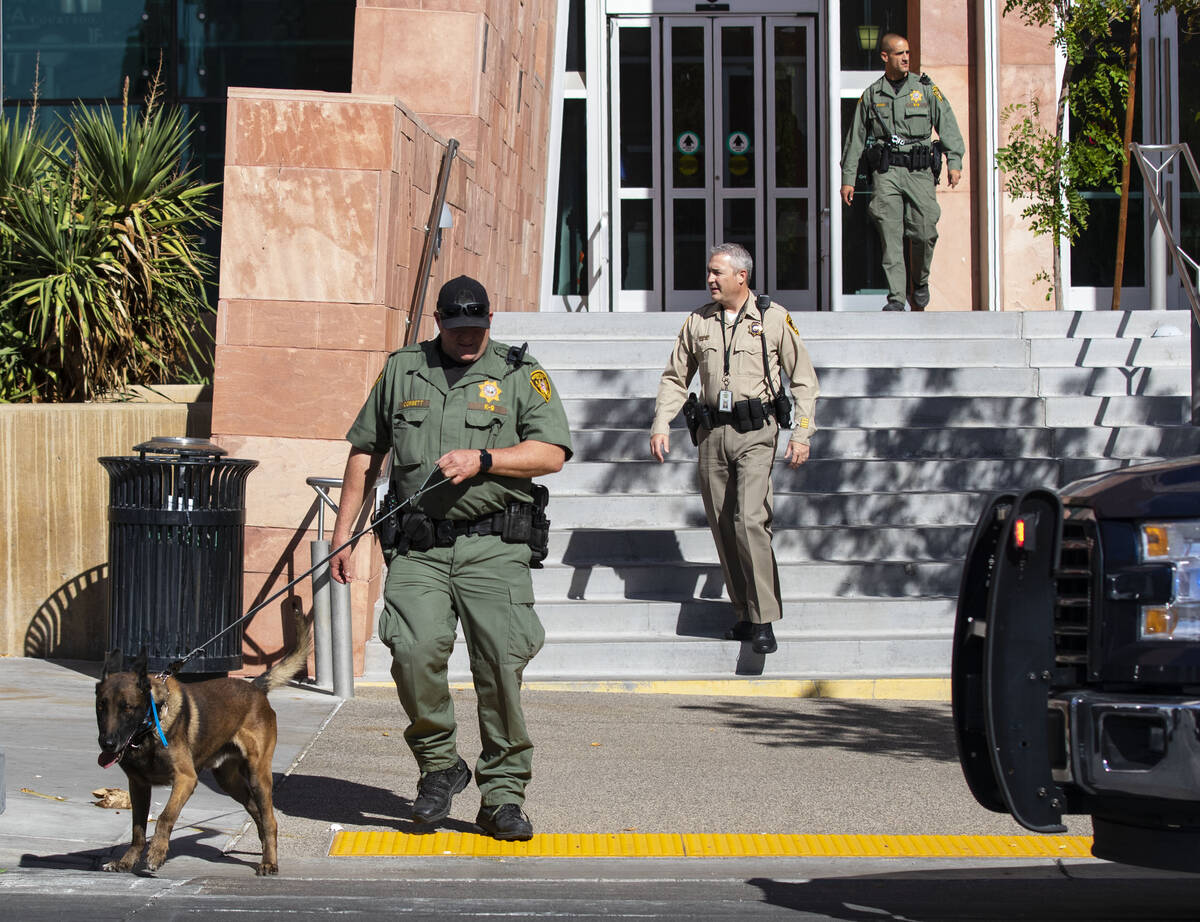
54 512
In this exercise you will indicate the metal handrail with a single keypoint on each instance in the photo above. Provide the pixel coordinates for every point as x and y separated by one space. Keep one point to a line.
333 633
1182 259
321 484
427 250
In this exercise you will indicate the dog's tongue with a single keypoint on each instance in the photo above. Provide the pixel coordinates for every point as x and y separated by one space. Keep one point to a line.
107 759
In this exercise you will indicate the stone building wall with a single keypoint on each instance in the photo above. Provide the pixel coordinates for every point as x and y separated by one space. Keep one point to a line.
326 200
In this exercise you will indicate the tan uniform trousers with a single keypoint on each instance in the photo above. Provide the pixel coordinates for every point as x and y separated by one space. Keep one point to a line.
735 482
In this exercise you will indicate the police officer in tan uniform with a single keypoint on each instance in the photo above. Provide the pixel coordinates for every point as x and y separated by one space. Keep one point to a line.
488 417
727 342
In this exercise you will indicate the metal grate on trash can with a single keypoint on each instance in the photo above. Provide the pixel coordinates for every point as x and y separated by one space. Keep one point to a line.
175 552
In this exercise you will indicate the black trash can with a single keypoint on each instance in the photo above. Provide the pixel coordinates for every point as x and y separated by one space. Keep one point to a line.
176 517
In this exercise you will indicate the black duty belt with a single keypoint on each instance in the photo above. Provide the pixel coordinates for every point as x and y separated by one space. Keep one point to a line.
728 419
919 156
447 531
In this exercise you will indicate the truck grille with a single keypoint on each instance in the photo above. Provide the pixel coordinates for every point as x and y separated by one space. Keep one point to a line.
1074 586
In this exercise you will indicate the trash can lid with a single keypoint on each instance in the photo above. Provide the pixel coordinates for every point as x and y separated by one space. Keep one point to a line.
179 445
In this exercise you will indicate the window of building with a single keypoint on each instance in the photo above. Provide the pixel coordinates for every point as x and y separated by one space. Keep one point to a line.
82 50
864 22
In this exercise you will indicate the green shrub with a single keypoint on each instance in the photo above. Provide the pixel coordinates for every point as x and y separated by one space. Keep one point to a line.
101 274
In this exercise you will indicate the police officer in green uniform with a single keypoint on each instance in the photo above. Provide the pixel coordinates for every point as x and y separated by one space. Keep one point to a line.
488 417
740 348
892 125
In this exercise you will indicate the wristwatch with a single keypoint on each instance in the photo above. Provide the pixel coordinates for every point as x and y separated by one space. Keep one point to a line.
485 461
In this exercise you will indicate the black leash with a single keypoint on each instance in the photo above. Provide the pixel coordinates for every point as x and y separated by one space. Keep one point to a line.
430 484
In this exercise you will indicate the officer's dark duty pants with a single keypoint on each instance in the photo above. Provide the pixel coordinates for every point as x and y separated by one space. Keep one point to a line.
735 483
486 584
904 204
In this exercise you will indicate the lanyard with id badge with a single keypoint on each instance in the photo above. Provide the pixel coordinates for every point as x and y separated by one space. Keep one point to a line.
725 396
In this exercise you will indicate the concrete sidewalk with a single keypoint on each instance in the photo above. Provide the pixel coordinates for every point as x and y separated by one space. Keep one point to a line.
605 763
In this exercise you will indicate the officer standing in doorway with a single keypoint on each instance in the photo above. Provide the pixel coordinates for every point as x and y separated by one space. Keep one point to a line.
740 344
486 418
892 129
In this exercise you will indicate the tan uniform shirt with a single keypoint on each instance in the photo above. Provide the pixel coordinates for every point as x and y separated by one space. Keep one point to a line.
699 347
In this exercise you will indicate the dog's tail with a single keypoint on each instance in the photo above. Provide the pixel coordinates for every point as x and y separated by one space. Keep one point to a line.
286 668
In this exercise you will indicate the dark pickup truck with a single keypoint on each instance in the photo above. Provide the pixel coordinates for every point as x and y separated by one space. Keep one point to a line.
1076 673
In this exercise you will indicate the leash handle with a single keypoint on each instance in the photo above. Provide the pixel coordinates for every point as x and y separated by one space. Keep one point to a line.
425 487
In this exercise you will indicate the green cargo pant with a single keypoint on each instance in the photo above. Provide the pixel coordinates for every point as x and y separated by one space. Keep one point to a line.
735 483
485 584
904 204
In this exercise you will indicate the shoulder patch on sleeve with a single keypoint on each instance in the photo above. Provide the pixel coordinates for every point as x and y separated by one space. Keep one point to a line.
791 323
540 382
938 94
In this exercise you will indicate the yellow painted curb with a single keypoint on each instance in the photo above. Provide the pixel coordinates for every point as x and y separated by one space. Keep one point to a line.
860 689
378 844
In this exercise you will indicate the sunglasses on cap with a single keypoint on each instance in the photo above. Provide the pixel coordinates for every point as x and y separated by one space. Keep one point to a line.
453 311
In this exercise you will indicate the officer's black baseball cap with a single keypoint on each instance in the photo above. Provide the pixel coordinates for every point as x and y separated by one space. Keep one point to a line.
462 302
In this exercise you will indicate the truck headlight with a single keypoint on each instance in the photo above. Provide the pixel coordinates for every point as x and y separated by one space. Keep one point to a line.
1176 543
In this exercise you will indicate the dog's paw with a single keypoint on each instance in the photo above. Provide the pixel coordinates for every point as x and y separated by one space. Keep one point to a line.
155 858
265 869
117 866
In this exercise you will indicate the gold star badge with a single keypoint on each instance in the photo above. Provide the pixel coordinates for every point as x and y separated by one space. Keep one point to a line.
489 391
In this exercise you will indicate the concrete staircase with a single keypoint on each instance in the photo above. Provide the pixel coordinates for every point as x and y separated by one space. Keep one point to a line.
921 417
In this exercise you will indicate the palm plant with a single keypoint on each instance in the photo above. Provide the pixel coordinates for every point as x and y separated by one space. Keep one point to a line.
103 278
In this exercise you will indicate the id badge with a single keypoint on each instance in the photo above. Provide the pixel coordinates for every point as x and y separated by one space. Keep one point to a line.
725 402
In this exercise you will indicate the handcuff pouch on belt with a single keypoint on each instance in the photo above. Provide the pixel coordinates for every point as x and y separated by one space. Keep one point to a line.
749 415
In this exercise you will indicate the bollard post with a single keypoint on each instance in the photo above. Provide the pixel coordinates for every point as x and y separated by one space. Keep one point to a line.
343 640
322 633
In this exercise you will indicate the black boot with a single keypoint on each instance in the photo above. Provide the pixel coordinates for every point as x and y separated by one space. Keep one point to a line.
435 790
763 640
506 822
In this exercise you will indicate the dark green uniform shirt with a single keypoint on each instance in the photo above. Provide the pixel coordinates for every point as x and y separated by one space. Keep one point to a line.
909 113
413 411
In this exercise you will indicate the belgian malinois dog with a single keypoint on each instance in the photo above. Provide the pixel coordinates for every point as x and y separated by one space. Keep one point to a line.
223 724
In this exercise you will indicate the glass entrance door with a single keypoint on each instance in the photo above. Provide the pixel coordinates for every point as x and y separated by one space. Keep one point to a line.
714 140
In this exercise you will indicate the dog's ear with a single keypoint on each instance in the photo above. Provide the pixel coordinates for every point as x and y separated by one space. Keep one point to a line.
114 661
139 666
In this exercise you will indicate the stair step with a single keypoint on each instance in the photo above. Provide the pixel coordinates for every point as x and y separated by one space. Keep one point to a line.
653 657
819 475
797 580
632 510
936 412
584 547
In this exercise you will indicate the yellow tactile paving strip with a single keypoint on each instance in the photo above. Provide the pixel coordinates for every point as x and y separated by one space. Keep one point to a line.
378 844
859 689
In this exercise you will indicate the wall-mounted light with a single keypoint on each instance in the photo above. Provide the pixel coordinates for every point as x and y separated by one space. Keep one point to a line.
868 37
